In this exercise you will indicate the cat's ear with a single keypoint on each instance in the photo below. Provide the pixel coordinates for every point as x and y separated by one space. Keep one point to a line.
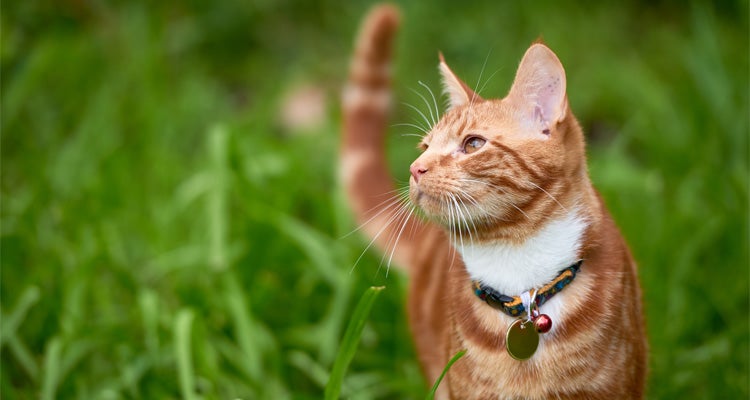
459 93
539 88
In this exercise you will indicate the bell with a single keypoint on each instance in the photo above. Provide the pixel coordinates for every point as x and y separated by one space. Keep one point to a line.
543 323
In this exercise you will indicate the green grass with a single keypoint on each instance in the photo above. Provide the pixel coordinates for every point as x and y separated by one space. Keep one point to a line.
349 343
436 385
164 236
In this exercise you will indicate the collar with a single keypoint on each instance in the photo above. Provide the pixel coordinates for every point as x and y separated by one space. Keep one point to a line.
513 305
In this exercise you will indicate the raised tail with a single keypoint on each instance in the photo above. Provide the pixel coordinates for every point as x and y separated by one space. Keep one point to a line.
363 167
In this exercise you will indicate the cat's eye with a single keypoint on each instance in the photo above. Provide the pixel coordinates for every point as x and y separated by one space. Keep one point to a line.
472 144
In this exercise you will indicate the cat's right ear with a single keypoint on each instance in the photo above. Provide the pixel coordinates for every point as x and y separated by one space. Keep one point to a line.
459 93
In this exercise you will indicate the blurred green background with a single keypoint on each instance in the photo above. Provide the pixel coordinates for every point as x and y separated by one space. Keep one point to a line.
168 231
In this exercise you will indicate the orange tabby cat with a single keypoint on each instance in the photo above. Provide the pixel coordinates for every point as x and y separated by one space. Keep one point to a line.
522 265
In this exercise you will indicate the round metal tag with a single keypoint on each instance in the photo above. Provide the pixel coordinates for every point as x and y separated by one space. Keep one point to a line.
522 339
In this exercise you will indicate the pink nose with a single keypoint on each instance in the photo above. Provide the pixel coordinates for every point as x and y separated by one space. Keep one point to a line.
417 170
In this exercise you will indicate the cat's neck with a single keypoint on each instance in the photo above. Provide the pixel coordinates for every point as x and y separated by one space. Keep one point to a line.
513 268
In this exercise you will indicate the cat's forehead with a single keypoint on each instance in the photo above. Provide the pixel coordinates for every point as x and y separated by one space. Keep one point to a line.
486 118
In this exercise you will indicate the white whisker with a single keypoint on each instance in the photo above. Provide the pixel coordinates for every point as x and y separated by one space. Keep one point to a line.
420 113
429 107
459 218
547 193
472 200
397 218
404 213
479 92
451 234
434 100
398 237
479 80
415 126
446 216
466 208
389 203
393 202
510 203
516 207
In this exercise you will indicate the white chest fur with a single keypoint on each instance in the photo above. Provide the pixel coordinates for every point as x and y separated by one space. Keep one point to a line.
513 269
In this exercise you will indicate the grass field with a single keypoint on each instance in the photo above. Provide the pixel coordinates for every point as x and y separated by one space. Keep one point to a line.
165 234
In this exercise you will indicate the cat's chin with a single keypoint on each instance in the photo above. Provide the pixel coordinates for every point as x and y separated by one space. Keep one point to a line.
430 205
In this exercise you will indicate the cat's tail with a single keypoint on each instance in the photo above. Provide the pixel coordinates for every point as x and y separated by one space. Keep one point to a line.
367 95
363 164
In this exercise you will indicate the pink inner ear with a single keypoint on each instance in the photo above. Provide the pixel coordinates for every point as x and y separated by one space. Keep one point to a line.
540 120
538 114
540 87
549 98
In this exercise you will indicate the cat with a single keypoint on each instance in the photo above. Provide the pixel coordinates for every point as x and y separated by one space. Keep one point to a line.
513 225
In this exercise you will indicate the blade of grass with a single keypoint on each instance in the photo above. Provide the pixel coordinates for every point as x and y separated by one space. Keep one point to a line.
24 356
11 324
183 321
323 253
455 358
148 301
217 213
350 342
52 362
246 335
309 366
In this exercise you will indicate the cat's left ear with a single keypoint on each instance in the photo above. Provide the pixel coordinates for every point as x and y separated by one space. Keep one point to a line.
459 93
539 88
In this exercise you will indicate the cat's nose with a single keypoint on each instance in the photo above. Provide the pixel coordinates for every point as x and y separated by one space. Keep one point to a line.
417 170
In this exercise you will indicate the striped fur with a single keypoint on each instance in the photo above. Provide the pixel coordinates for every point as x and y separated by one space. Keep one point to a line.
510 213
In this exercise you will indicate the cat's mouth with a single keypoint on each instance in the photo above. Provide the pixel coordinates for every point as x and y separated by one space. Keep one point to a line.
461 209
425 201
441 208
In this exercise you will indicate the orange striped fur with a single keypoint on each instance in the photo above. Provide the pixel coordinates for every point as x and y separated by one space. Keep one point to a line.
505 189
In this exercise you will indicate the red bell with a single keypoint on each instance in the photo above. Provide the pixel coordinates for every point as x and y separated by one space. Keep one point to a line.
543 323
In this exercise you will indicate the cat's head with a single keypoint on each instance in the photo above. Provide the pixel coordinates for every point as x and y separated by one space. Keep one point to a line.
498 162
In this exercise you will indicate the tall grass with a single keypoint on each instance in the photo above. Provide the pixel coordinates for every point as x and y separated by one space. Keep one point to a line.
164 236
350 341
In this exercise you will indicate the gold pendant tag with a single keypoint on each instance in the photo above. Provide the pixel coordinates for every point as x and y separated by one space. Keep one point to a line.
521 339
